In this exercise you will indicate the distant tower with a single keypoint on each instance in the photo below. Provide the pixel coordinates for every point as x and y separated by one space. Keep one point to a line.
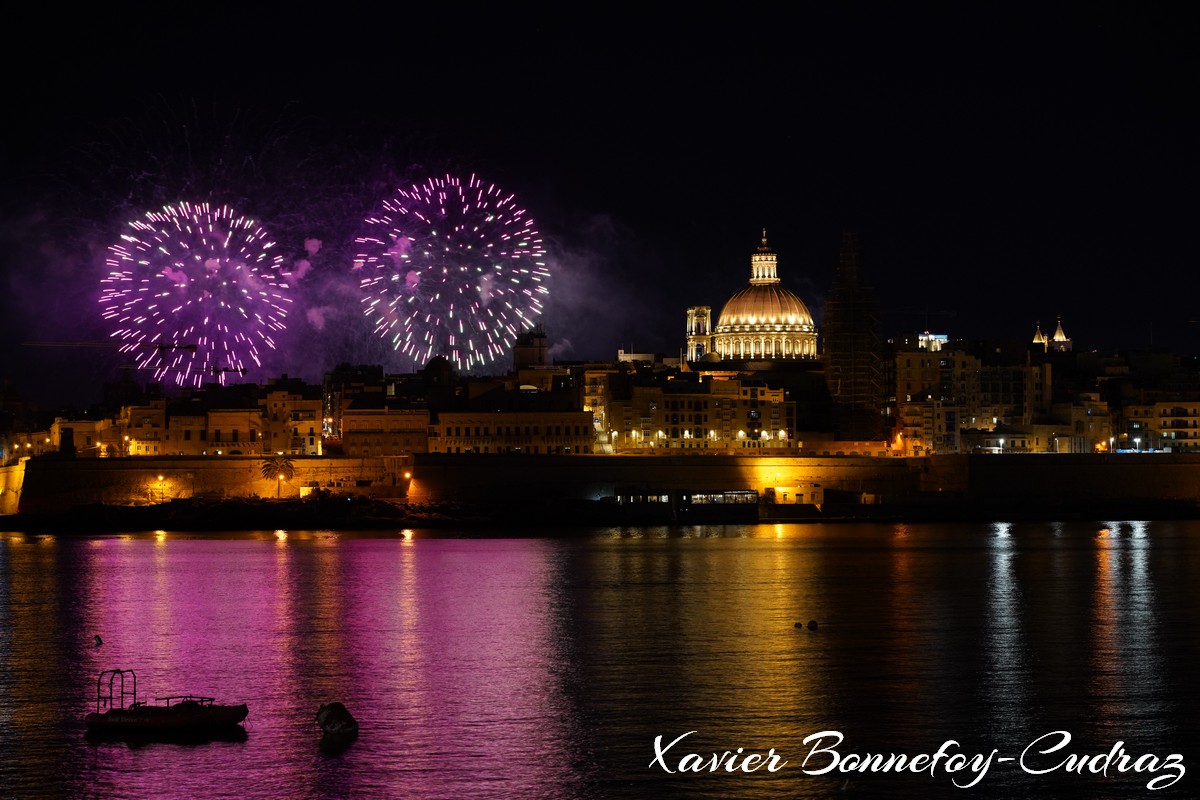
853 352
1059 340
530 349
1039 337
699 332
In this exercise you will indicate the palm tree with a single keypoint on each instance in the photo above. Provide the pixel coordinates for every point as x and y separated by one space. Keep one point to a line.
280 468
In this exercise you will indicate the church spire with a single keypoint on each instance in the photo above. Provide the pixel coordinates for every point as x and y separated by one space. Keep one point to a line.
1060 341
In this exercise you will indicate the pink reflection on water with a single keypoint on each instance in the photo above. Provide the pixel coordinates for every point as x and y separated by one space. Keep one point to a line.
445 657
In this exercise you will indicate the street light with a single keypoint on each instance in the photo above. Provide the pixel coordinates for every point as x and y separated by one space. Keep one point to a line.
278 484
162 491
1136 442
1001 445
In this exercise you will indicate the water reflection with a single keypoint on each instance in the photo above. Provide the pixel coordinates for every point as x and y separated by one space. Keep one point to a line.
1125 660
545 668
1007 676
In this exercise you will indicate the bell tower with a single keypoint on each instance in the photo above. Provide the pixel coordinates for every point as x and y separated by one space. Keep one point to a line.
699 332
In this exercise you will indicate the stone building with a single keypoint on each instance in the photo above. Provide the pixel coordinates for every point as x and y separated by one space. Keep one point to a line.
514 431
374 428
713 415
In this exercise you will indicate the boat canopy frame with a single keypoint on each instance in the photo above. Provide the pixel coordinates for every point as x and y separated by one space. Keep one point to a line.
118 693
118 689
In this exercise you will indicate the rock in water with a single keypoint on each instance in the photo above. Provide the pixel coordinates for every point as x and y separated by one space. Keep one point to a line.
336 720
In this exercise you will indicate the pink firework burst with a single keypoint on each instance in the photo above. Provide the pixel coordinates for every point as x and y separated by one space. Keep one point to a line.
195 293
452 268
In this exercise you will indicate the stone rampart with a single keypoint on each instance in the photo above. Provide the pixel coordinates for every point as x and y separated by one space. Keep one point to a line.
1056 481
528 478
1084 476
12 478
55 484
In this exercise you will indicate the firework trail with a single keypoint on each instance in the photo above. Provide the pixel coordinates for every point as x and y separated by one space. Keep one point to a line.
451 268
195 293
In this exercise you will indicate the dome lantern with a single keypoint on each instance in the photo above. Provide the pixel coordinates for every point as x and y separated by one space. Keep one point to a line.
764 320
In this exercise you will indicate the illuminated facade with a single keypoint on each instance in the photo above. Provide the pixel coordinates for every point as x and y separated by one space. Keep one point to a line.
187 433
540 432
293 422
143 429
27 444
943 391
1083 425
761 322
383 431
716 415
235 431
596 400
84 438
699 332
1172 425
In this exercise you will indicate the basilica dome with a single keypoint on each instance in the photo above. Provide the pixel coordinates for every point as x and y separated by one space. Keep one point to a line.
763 320
763 304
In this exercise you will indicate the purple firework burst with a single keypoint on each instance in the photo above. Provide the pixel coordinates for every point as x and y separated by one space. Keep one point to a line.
452 268
195 293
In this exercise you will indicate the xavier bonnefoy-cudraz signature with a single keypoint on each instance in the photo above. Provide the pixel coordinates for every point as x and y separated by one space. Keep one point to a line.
826 755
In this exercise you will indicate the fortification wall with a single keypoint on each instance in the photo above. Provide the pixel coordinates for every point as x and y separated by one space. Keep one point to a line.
990 481
12 478
1085 476
441 477
56 484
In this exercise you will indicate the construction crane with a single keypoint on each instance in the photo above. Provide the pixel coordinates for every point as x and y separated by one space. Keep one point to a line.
108 343
101 343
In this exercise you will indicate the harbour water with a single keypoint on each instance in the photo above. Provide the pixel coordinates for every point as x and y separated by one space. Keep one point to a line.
498 667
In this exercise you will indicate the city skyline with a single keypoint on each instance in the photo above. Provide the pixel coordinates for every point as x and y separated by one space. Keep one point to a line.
1000 170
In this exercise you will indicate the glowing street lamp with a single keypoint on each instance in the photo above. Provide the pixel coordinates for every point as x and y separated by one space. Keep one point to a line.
1001 445
278 484
162 490
1136 443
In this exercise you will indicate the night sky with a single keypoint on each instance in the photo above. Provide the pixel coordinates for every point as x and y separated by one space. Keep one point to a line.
1001 164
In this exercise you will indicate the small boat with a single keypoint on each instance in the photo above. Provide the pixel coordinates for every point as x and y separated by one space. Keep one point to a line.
174 715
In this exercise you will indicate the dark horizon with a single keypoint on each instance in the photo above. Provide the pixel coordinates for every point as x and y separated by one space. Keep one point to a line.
1001 169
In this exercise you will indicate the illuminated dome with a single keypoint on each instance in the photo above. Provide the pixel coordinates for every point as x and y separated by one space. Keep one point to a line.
764 320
